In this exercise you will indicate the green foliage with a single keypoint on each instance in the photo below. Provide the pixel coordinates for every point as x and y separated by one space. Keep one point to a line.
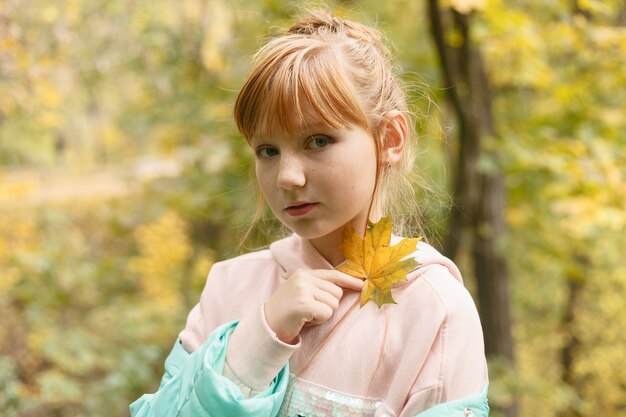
9 387
562 122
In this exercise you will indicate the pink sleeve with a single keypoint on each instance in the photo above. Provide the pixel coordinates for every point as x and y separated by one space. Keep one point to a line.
204 316
255 355
464 364
457 356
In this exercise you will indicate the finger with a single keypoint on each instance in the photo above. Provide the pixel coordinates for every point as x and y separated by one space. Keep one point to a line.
340 279
326 298
321 312
331 288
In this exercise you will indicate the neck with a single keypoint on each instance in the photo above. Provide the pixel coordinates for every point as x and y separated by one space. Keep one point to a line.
328 247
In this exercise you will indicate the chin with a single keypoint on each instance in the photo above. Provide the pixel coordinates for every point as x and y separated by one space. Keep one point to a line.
316 233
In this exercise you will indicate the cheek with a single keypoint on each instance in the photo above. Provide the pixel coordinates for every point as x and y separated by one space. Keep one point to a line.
356 182
264 181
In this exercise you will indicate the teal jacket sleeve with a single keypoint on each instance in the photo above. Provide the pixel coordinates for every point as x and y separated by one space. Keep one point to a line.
476 406
193 385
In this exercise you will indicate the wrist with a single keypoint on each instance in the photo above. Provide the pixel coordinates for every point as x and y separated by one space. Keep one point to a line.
285 333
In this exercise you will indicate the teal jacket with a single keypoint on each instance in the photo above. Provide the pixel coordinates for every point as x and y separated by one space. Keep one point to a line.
193 385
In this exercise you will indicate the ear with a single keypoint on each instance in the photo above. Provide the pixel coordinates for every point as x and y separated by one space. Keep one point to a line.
394 136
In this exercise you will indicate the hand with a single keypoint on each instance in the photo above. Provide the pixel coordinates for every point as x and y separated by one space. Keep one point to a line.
307 297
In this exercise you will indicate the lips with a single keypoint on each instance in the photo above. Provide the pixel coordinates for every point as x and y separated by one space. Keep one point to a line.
299 208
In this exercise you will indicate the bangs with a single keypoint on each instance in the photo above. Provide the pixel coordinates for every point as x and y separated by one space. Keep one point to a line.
297 82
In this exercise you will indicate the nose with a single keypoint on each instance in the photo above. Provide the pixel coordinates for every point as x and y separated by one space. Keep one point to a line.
291 173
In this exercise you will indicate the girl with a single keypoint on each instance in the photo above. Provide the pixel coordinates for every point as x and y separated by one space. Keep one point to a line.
276 332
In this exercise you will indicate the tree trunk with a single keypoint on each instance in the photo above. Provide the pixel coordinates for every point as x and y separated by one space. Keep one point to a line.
575 287
479 192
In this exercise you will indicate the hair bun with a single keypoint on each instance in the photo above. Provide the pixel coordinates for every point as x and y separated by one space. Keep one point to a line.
320 23
317 21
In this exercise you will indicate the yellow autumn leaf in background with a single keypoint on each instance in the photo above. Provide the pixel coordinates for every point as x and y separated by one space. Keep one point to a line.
372 259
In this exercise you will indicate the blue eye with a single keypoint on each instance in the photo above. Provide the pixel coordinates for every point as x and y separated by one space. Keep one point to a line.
266 152
318 141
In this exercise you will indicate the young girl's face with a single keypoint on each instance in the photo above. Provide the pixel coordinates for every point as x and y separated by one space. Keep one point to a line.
318 179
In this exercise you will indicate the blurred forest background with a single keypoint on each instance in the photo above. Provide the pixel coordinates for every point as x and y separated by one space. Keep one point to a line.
122 179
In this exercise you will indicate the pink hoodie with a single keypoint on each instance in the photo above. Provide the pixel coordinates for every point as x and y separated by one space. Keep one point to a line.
402 359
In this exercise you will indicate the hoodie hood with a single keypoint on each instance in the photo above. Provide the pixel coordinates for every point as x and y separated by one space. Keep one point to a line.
294 253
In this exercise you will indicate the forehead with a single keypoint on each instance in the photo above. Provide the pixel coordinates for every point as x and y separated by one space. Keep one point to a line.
291 89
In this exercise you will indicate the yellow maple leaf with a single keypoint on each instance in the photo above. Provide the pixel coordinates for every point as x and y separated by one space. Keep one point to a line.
373 260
